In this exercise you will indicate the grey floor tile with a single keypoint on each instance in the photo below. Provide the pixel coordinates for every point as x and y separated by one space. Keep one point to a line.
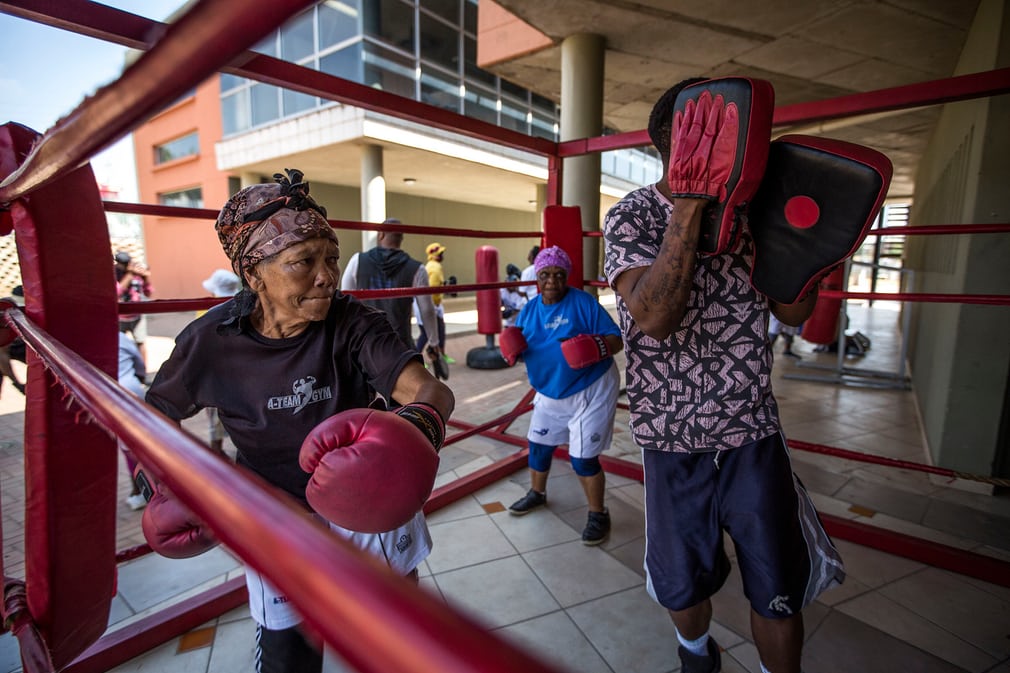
630 631
139 592
234 647
957 606
556 639
564 570
908 626
10 653
881 498
844 644
497 593
631 554
536 530
166 659
968 522
871 567
464 508
818 479
465 542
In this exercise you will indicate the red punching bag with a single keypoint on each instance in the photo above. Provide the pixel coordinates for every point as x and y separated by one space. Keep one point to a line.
488 301
822 325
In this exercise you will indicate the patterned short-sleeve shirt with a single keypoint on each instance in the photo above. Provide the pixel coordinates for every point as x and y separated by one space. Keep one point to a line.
706 387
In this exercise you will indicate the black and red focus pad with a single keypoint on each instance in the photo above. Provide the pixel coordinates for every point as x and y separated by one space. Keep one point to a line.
816 203
754 100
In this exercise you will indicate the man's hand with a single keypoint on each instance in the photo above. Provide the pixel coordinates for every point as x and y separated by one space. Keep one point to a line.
439 367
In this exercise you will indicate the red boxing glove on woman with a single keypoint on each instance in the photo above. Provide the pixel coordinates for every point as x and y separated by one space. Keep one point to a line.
585 349
513 343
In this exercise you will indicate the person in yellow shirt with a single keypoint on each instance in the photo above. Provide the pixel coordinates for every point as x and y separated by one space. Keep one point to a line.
436 278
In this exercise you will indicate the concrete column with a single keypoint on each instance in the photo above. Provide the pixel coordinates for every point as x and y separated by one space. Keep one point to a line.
373 192
582 58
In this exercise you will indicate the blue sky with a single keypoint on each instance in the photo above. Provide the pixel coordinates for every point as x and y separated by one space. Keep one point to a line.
47 72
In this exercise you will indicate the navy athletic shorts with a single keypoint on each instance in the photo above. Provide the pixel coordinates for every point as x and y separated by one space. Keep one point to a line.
785 558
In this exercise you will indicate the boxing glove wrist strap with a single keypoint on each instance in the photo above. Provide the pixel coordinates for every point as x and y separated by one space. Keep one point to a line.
426 419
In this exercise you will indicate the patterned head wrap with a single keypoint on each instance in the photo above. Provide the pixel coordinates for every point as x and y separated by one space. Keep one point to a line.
261 220
553 256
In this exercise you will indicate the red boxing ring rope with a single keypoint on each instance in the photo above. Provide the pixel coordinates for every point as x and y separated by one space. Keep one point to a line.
376 620
193 42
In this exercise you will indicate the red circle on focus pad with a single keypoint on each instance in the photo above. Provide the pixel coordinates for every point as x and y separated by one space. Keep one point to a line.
802 212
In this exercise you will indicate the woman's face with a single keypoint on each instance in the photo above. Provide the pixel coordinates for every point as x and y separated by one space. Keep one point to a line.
295 286
553 283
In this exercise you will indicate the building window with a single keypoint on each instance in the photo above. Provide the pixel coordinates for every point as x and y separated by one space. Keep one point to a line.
388 71
391 21
345 63
339 20
186 198
186 146
297 38
439 43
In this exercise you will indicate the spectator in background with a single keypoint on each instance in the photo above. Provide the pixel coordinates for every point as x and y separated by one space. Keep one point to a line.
436 278
132 376
529 273
133 284
512 298
222 283
386 266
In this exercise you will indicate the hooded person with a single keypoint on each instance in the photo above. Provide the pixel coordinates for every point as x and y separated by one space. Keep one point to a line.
309 358
385 267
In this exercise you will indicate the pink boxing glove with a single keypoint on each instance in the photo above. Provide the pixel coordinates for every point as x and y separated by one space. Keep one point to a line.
585 349
372 470
170 527
512 343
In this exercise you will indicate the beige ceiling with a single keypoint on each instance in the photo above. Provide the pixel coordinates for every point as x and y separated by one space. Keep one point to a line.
809 49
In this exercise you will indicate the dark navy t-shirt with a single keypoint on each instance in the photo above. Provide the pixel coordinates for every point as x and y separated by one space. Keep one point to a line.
270 393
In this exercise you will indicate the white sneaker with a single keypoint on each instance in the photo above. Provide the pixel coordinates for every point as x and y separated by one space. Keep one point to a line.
136 501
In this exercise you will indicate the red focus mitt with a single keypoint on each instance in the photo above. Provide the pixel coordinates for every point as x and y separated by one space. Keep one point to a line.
513 343
718 148
372 470
817 202
170 527
585 349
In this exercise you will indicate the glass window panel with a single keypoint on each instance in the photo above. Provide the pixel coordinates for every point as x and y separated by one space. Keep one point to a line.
513 116
447 9
186 198
235 112
391 21
297 40
438 91
229 82
439 43
387 70
481 104
545 105
339 20
472 72
543 127
266 104
186 146
513 90
345 63
296 101
470 16
268 45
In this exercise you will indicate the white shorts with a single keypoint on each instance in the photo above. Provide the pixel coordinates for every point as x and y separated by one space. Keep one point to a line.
403 549
584 421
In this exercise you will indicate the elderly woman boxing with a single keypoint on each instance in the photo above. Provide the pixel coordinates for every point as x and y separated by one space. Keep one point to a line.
292 366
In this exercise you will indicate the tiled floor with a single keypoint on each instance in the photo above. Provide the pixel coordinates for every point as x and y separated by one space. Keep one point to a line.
531 580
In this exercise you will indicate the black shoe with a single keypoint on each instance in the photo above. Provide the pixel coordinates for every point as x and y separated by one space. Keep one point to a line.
693 663
597 528
528 503
790 354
